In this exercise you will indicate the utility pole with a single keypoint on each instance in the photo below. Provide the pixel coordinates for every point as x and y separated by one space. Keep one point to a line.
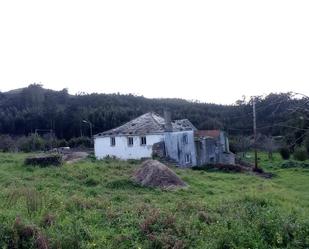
255 137
90 126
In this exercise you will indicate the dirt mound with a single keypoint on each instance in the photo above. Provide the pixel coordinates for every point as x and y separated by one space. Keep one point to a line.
152 173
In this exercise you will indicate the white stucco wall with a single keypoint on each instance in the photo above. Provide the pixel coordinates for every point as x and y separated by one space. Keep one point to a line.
121 150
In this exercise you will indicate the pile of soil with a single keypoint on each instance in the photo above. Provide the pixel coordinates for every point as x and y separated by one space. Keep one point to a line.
152 173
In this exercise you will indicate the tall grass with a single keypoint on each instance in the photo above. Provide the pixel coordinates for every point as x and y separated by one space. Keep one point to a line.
93 204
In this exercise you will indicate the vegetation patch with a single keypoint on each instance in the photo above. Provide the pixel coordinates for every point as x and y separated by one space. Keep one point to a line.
221 167
44 160
301 154
294 164
254 222
94 204
122 184
285 153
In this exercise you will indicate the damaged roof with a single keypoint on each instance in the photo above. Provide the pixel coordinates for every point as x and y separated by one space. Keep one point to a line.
149 123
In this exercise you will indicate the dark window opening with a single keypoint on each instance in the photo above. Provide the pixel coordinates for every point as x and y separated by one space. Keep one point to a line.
130 141
185 139
188 158
113 141
143 141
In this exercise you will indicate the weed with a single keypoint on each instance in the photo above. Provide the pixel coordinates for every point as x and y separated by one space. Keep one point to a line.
91 182
122 184
34 201
205 217
48 220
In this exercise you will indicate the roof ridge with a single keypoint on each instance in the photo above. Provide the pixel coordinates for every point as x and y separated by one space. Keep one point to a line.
155 119
150 122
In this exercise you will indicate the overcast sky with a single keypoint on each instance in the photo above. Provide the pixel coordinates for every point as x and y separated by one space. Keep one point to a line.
212 51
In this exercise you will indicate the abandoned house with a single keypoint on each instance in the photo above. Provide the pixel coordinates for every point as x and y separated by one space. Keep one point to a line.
151 135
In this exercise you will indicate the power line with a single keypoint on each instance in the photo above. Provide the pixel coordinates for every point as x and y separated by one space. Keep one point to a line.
259 109
271 126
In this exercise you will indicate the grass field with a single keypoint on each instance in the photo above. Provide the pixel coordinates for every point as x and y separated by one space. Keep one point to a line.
93 204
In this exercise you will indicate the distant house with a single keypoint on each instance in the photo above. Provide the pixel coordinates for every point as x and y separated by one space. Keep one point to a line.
151 135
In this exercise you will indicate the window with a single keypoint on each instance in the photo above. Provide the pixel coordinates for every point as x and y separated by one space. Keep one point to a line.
130 141
113 141
185 139
143 140
188 158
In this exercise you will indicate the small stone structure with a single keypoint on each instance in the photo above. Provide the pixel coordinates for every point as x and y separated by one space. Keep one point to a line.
212 147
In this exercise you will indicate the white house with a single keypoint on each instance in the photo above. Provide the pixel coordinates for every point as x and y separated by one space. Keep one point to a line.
152 135
137 139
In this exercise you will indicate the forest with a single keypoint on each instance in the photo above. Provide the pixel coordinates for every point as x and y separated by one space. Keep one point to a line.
34 108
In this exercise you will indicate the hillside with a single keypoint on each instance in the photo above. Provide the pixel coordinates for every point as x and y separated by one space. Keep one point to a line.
93 204
24 110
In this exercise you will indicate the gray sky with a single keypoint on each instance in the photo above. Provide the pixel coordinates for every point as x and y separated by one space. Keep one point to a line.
212 51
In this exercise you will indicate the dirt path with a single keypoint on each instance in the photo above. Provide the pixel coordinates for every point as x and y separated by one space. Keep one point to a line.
74 157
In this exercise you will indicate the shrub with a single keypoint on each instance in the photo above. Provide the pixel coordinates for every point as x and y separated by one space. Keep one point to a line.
21 235
32 142
300 154
80 142
44 160
294 164
91 182
48 220
234 146
285 153
205 217
220 167
6 143
24 234
62 143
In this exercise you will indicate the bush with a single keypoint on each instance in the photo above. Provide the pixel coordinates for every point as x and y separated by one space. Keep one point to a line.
220 167
32 142
21 235
294 164
80 142
44 160
6 143
285 153
300 154
62 143
233 146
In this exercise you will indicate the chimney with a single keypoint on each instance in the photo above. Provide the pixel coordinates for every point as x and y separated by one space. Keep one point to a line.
168 121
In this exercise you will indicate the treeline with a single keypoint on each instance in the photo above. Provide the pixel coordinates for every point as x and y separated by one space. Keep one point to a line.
25 111
35 142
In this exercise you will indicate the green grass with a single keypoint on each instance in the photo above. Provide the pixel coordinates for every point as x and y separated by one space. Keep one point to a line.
93 204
